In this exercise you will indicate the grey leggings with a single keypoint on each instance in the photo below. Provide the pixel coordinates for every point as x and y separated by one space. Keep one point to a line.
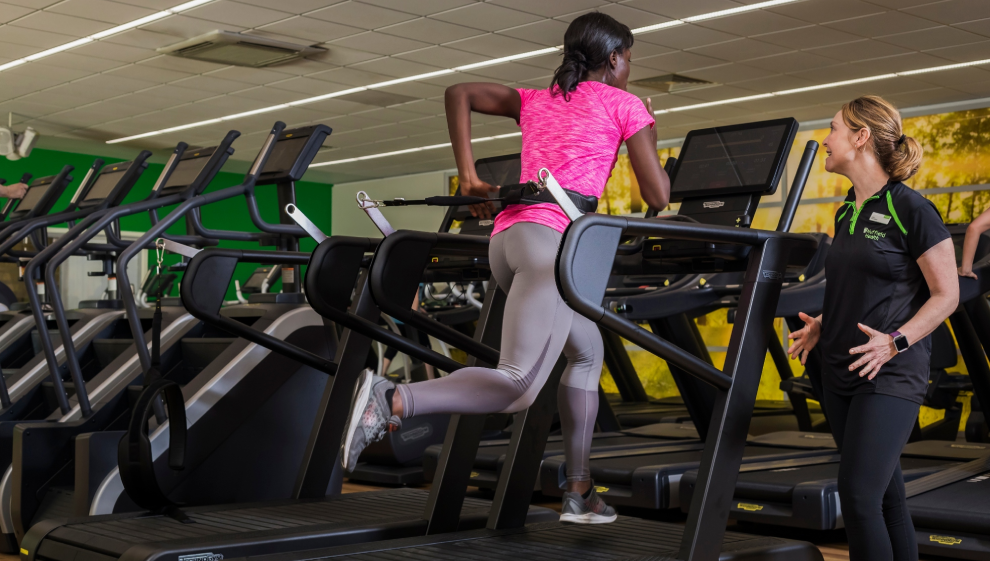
536 328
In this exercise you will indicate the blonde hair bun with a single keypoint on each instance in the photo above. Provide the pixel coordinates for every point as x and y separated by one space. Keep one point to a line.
899 154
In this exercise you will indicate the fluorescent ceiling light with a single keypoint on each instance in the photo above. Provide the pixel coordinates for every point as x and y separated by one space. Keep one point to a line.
700 105
104 34
411 150
466 67
824 86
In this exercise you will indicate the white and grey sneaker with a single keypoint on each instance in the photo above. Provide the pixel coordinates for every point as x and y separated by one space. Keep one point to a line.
369 419
590 509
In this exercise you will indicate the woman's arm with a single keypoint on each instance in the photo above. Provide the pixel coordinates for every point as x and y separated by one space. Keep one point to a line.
459 101
973 231
15 191
936 264
654 185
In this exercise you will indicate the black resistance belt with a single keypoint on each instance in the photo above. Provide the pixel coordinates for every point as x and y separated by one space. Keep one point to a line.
529 193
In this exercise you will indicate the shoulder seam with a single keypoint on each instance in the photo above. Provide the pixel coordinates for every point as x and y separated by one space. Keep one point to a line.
607 111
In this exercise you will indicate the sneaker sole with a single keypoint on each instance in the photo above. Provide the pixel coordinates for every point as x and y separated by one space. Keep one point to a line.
588 518
361 396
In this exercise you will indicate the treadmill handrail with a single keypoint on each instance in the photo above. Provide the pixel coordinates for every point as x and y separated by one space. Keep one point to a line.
603 233
200 288
394 276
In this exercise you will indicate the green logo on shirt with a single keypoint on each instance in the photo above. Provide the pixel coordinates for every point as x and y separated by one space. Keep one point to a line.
873 234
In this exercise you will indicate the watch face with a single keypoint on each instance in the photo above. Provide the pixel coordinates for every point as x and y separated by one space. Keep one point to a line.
901 343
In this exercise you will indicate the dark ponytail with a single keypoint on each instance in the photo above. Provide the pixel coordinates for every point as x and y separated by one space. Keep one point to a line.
588 43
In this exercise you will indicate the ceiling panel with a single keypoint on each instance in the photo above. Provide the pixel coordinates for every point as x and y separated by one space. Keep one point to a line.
305 29
934 38
33 37
10 12
545 33
361 15
494 45
887 23
234 13
100 10
379 43
809 37
292 6
60 23
487 17
953 11
686 37
550 8
740 49
431 30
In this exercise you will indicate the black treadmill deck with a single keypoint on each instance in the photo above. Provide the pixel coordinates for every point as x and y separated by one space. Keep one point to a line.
240 530
627 538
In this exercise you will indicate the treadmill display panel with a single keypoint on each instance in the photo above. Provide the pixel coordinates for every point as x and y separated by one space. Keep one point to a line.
255 281
732 160
104 184
32 197
187 171
284 155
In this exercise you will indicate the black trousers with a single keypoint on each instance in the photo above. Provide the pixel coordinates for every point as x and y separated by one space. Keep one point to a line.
871 431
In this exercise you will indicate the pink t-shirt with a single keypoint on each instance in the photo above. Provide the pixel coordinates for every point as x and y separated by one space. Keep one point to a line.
577 140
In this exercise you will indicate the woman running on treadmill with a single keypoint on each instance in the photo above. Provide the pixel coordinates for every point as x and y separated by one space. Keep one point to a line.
574 129
891 281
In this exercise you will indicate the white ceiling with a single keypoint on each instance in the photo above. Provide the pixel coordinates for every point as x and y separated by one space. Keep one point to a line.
121 86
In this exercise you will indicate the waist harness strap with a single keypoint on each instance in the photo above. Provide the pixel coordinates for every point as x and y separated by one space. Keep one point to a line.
528 193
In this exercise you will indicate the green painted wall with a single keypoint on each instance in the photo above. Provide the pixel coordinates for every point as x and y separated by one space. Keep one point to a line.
313 198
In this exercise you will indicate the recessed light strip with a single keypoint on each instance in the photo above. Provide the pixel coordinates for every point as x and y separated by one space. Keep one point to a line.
465 68
104 34
702 105
411 150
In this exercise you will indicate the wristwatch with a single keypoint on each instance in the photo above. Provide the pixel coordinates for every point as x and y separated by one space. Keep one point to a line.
900 342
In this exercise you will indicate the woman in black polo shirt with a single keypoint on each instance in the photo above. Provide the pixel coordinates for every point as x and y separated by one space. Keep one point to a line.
891 281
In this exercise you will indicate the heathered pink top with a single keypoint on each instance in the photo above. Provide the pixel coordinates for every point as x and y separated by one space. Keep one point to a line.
577 140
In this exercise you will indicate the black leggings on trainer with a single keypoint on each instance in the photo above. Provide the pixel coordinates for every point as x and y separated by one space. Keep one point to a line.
871 430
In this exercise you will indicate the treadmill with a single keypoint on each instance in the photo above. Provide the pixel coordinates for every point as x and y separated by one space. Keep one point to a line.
233 386
804 493
584 265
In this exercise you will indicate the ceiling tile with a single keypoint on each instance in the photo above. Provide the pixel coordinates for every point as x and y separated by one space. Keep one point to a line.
210 84
185 27
753 23
682 8
550 8
981 26
792 62
256 76
899 63
394 67
421 7
507 73
156 5
887 23
417 89
293 6
627 15
349 77
953 11
430 31
233 13
730 73
963 53
306 29
546 33
685 37
776 83
860 50
9 12
32 37
425 107
821 11
182 64
679 61
142 38
494 45
121 53
143 72
364 16
101 10
271 96
488 17
167 95
380 43
442 56
740 49
936 38
550 61
60 23
16 51
308 86
33 4
809 37
77 61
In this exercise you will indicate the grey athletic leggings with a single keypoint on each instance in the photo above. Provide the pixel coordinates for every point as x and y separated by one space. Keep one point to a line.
536 328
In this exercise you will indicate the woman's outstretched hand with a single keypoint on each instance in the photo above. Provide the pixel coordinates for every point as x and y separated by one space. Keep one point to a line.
478 188
876 352
806 338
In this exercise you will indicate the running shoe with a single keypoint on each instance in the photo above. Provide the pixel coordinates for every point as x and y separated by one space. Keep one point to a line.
586 509
369 419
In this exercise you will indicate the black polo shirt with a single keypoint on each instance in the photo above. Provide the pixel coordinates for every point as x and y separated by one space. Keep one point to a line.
873 278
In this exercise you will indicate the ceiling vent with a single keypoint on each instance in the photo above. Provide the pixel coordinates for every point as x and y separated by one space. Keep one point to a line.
225 47
672 83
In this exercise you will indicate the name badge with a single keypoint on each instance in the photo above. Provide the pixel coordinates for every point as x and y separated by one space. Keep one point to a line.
881 218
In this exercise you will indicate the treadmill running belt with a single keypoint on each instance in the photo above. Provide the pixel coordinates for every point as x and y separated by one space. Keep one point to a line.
114 534
627 538
960 507
777 485
488 456
620 469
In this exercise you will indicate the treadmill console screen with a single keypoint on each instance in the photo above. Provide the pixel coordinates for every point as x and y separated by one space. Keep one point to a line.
285 154
736 159
32 197
254 282
503 170
104 184
187 171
